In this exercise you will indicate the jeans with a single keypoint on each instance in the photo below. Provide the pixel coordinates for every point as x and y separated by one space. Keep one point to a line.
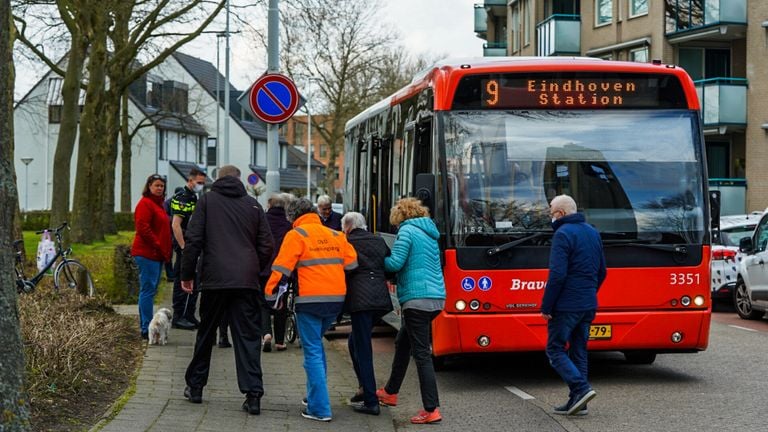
149 277
312 328
414 339
183 303
241 306
361 352
570 328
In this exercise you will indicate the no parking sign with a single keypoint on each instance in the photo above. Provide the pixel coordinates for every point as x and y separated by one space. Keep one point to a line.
273 98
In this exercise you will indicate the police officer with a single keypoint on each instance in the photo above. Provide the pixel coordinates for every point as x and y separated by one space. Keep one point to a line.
182 205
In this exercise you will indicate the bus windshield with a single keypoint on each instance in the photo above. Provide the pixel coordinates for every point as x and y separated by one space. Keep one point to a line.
636 175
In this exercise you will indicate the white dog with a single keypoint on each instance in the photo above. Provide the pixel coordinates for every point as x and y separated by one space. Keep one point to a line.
159 327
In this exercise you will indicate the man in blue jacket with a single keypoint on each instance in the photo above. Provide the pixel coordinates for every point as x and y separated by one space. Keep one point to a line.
576 271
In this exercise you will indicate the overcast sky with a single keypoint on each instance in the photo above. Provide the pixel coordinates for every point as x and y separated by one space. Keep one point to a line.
430 27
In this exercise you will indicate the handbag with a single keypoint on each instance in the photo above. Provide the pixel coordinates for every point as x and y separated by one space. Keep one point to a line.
46 251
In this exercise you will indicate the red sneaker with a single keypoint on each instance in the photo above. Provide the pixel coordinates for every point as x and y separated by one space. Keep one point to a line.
385 398
424 417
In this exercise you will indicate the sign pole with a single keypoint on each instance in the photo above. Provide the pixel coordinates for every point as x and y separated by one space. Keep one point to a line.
273 66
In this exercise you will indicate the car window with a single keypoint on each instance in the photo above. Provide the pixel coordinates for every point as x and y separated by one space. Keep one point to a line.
732 236
761 236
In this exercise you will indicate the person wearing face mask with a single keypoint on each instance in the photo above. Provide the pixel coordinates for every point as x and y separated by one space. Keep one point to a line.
576 271
182 205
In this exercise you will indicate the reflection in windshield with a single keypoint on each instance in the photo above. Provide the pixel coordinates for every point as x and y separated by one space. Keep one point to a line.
633 173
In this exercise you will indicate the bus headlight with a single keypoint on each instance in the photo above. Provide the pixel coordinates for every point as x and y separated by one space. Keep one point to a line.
677 337
461 305
474 304
698 300
685 301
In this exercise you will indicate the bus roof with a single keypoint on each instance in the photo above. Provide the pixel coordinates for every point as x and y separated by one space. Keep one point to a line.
450 71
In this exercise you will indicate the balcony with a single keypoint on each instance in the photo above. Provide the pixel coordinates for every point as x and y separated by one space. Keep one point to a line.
723 104
559 35
481 21
495 49
708 20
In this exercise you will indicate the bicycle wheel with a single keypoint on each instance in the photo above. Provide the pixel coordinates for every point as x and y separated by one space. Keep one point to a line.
290 328
72 274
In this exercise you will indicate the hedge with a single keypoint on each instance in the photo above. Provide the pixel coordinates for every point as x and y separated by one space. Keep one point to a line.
40 219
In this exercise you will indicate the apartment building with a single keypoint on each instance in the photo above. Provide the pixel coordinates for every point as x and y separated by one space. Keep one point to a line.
722 44
295 131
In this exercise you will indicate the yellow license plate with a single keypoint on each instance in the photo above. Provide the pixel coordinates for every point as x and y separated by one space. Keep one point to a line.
602 331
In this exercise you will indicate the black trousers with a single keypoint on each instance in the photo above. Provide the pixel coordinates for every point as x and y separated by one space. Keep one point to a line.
414 339
243 309
183 304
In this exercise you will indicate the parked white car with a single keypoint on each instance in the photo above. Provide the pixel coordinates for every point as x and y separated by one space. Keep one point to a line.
750 297
725 253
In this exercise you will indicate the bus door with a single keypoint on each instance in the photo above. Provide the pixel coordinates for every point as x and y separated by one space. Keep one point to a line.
379 182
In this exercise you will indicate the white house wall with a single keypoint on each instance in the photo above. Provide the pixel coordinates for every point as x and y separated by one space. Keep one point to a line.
143 158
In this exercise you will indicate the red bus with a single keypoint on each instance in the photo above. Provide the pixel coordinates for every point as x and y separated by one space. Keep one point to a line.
487 143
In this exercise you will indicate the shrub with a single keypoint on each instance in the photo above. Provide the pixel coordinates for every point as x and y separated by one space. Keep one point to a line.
77 349
40 219
126 273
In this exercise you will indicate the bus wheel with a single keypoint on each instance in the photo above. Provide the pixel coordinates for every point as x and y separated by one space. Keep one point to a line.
640 357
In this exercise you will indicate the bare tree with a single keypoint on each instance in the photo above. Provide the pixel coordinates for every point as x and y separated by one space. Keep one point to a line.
13 405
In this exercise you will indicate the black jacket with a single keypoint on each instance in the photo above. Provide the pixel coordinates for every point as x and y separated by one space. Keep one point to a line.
333 222
279 225
366 286
229 229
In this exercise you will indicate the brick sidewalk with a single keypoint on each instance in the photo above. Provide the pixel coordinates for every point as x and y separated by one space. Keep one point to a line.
159 403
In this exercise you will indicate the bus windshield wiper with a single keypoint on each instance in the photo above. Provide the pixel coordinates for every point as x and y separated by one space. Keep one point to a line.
494 250
676 248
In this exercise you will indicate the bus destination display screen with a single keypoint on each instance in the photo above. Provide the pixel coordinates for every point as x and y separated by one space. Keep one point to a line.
569 90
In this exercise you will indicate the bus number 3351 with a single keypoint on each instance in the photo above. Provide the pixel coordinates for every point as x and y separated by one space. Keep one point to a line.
684 278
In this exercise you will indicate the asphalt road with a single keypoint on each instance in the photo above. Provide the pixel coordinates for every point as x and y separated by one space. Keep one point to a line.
720 389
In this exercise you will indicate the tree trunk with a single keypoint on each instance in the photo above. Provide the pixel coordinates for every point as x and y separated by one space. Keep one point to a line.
70 114
87 208
14 412
109 144
125 159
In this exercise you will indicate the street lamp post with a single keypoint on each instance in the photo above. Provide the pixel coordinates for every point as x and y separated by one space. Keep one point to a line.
309 151
26 161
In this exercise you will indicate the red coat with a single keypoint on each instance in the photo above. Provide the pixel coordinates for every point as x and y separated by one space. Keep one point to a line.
153 230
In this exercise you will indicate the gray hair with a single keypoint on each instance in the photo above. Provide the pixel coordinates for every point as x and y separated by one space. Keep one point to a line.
297 208
564 203
351 221
323 200
279 200
228 170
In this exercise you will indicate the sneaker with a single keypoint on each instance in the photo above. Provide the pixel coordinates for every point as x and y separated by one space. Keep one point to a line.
304 401
307 415
385 398
183 324
581 400
194 394
252 405
563 410
145 335
363 409
424 417
224 343
357 399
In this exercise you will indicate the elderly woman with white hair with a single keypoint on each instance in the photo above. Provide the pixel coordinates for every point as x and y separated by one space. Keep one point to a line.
367 301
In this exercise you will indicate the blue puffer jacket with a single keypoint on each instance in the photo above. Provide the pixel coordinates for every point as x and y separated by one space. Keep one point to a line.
576 267
416 259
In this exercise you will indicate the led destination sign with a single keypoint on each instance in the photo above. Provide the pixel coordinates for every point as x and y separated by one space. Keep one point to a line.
573 90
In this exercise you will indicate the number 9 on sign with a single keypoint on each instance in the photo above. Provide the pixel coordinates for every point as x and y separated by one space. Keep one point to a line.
491 93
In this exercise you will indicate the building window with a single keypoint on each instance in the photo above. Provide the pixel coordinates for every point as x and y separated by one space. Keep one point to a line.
162 145
54 114
603 12
639 55
526 23
211 152
323 151
515 27
702 63
638 7
684 14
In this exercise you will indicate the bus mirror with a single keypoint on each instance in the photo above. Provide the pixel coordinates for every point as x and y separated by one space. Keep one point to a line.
425 191
714 209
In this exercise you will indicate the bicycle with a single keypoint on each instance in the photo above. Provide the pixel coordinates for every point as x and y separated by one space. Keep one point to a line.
68 272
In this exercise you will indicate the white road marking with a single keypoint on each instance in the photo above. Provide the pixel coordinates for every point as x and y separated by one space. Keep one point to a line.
519 393
741 328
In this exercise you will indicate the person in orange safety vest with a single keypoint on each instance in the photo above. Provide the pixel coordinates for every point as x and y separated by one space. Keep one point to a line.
320 255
